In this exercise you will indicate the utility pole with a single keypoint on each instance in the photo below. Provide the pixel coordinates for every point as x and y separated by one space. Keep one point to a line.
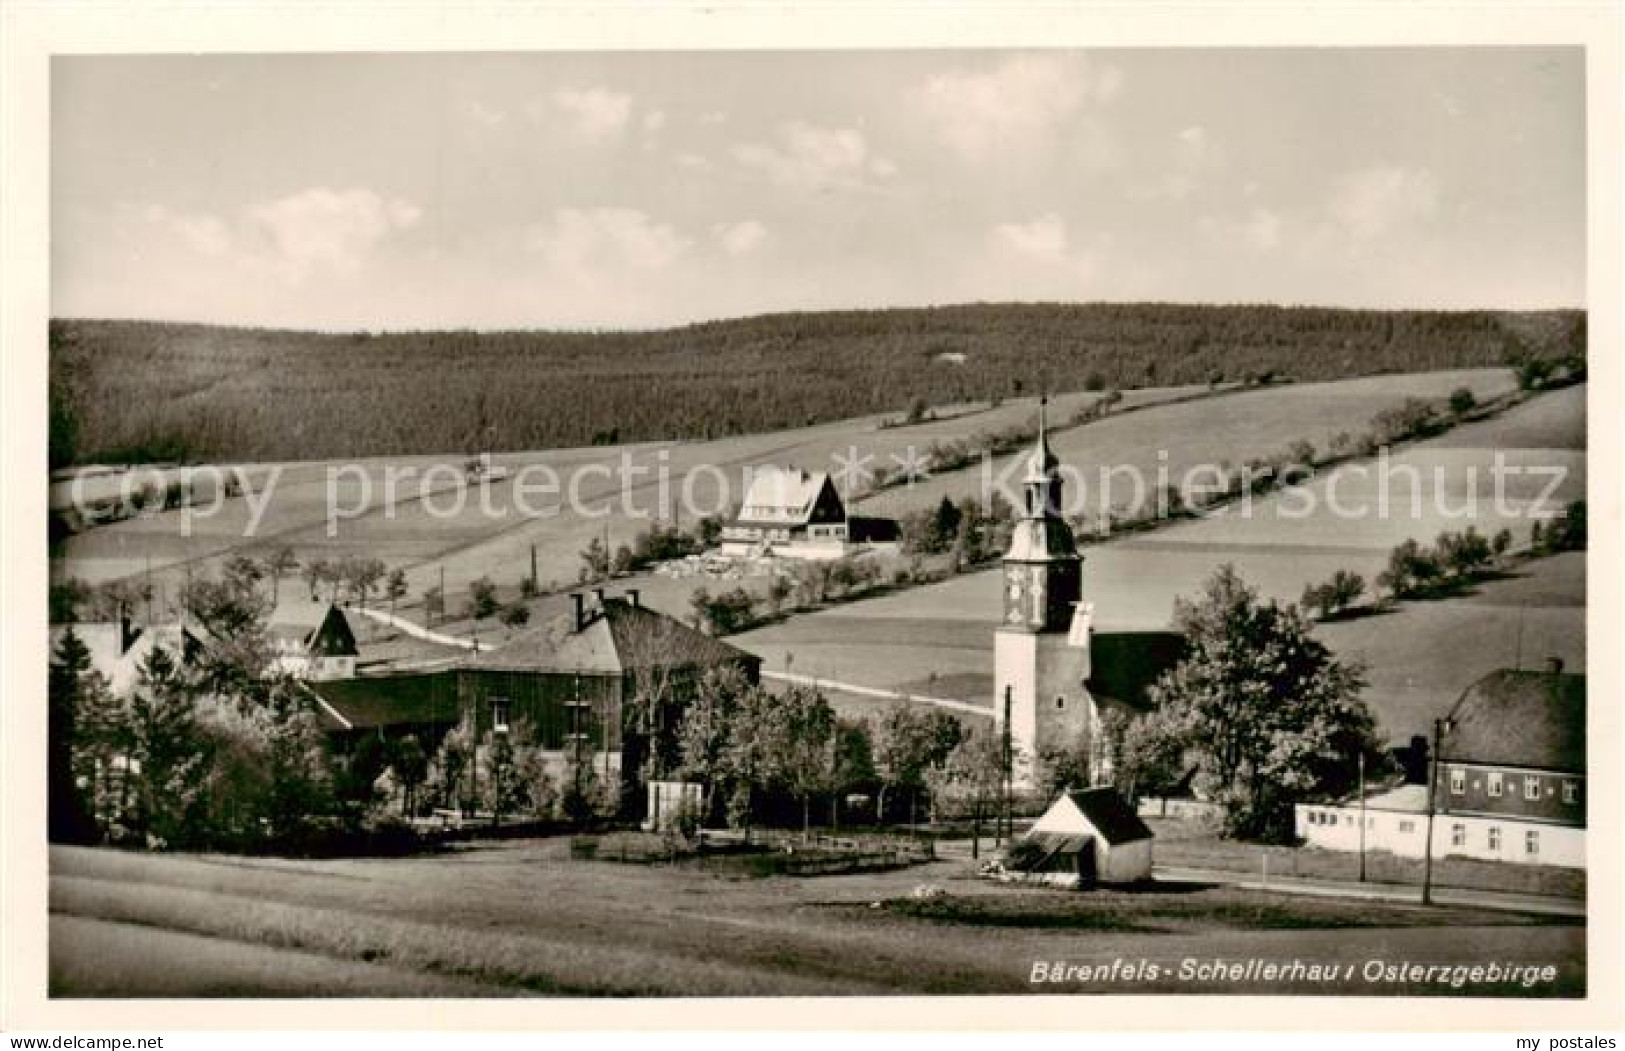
1362 816
1440 726
1006 762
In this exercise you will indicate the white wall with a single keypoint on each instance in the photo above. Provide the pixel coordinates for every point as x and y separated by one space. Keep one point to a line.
1404 834
1125 862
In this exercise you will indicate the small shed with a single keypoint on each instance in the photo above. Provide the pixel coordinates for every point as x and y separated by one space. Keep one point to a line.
1087 836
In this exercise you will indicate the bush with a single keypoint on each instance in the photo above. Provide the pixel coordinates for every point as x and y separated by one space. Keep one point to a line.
1462 401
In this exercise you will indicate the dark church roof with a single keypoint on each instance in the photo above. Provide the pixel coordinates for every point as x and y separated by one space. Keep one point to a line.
1123 665
1533 719
620 637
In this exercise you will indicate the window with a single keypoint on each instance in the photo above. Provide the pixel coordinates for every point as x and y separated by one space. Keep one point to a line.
1531 788
499 714
1495 785
1571 792
1060 702
1494 838
1531 842
1458 835
1458 782
1407 826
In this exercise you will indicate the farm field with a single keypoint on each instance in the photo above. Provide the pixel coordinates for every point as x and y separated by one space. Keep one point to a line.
485 916
1416 666
495 538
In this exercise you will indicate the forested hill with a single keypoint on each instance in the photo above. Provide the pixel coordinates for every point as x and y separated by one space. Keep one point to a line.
124 390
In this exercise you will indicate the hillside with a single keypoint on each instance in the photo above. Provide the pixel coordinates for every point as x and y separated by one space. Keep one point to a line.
134 391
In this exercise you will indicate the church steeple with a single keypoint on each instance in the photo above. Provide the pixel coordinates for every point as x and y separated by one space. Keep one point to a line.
1043 572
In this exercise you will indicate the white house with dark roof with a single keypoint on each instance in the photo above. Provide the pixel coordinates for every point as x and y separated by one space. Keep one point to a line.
788 512
1510 781
1087 836
312 639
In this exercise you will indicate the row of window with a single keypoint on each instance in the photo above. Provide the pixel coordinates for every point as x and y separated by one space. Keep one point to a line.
1492 838
1458 831
1495 785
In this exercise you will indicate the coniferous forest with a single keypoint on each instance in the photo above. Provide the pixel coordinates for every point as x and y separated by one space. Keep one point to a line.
131 391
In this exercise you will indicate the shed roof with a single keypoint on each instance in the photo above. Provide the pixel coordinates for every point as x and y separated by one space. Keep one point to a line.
1092 811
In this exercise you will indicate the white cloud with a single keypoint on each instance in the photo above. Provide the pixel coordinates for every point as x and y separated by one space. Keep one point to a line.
741 237
654 120
596 113
713 118
321 228
487 116
595 239
1040 238
1014 106
809 157
1373 201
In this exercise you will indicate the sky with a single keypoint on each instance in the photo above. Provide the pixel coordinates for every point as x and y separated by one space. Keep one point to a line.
642 189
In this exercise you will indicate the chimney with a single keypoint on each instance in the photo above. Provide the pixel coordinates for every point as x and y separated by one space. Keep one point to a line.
633 596
578 600
1554 665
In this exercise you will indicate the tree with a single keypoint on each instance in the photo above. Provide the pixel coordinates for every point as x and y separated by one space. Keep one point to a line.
805 756
1269 714
1334 596
70 682
1462 401
363 575
910 740
65 599
503 789
395 588
317 572
706 728
972 776
725 613
278 564
166 765
1463 555
516 615
1151 757
1412 570
1067 765
482 599
411 766
594 561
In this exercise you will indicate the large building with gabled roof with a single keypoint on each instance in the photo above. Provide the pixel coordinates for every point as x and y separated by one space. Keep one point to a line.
789 512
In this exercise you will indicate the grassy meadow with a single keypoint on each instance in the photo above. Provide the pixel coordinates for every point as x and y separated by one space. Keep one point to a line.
486 921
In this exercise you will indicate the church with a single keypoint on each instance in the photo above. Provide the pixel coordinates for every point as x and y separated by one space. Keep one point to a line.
1056 677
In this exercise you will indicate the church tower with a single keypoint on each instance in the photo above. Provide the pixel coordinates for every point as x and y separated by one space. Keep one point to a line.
1041 649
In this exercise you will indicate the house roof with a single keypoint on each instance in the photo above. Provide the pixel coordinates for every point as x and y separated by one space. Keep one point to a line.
1092 811
373 702
1109 812
1123 665
621 637
298 617
1531 719
781 495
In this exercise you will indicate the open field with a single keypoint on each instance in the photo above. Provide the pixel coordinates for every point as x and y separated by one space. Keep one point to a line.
1415 664
493 532
486 918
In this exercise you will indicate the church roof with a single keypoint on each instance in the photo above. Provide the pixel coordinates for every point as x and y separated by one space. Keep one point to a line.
1123 665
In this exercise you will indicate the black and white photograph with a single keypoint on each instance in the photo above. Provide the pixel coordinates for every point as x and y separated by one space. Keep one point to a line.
660 522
